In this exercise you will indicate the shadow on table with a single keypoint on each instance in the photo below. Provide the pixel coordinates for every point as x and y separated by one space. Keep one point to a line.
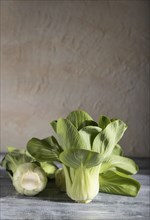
50 193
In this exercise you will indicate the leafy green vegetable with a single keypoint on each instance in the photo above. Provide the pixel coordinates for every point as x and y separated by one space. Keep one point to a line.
103 122
88 134
49 168
87 123
82 184
91 156
120 163
117 150
54 125
60 179
29 179
106 140
82 173
78 117
68 135
76 158
115 182
27 176
12 160
43 150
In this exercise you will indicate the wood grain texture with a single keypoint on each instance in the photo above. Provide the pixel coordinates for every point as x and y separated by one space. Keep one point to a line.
54 205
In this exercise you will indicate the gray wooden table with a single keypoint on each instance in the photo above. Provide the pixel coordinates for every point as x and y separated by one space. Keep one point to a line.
54 205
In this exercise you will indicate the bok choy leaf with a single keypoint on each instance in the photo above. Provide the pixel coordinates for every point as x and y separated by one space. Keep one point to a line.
115 182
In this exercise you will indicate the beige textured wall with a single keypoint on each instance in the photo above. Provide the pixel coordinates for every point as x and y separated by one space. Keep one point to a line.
57 56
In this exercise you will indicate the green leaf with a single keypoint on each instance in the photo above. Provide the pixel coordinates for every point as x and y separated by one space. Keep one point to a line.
79 157
107 139
68 135
51 141
44 150
103 122
117 150
115 182
88 134
13 149
113 119
87 123
78 117
49 168
13 159
120 163
54 125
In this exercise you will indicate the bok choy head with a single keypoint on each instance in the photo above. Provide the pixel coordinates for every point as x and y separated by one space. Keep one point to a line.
27 176
81 166
85 149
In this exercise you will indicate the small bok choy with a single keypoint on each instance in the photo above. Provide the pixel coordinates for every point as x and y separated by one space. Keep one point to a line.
60 179
90 154
27 176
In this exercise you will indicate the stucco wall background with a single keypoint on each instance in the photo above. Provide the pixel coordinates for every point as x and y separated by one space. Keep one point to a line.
57 56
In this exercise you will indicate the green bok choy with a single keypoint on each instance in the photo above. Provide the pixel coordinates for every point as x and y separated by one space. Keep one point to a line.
90 154
27 176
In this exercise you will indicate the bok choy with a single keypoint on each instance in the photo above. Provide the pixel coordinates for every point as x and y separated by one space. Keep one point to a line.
27 176
91 157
